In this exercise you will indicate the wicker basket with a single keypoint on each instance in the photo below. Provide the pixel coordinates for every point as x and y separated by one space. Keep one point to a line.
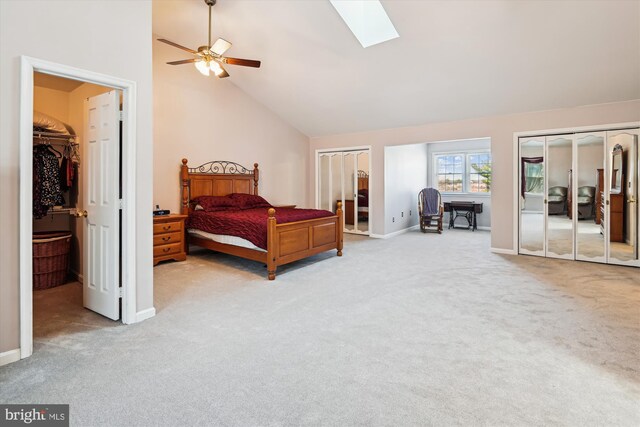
50 259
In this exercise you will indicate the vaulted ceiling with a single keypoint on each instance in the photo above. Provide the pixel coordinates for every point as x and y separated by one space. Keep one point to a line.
453 59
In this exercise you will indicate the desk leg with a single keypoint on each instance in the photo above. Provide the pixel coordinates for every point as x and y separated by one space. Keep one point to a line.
451 219
475 221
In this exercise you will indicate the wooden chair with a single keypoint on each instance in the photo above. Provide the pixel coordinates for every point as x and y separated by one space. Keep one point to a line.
431 223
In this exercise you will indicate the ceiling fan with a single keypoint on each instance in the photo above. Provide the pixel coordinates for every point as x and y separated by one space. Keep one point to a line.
209 58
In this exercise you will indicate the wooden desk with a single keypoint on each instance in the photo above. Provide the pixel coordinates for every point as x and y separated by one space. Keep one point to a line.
468 210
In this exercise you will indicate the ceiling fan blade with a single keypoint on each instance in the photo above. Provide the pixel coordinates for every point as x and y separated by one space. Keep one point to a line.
184 61
170 43
243 62
223 74
220 46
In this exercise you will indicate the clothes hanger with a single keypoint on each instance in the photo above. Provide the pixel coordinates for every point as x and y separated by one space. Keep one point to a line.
56 152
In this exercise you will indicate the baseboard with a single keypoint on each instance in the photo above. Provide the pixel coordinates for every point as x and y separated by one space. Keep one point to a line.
395 233
145 314
484 228
9 356
503 251
77 276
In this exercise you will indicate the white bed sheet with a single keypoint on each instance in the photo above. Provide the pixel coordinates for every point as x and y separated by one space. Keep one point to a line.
224 238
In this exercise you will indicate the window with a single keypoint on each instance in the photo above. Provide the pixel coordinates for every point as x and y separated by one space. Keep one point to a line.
463 172
534 177
479 172
449 173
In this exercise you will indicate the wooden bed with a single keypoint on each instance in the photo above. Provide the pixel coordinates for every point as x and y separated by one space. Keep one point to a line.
285 242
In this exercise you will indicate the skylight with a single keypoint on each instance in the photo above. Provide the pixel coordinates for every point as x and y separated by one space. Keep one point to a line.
367 20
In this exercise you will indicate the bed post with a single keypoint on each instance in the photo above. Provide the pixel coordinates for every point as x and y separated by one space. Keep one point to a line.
271 244
340 230
256 175
184 177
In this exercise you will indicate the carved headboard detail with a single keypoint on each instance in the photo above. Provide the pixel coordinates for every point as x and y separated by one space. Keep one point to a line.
216 178
363 180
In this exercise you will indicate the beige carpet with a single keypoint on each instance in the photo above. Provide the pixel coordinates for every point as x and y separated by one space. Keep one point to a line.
421 329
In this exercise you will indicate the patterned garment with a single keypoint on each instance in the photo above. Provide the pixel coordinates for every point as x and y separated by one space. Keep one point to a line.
46 182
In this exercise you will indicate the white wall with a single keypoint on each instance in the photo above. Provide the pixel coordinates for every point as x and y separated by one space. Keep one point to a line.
205 118
590 159
405 174
462 146
110 37
558 165
500 129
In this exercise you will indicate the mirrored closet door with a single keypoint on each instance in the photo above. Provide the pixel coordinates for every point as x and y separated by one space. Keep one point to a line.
590 195
532 190
621 209
579 196
343 176
558 190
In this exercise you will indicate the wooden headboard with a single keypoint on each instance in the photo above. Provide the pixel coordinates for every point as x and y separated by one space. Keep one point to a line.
363 180
216 178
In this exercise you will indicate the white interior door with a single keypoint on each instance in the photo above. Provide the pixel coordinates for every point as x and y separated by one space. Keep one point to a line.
101 187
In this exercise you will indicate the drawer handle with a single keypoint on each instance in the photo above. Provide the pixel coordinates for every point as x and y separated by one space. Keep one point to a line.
166 239
166 249
166 227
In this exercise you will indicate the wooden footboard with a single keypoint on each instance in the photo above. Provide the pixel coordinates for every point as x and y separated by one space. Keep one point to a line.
297 240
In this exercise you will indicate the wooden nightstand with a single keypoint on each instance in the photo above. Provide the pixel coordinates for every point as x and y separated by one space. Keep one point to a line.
169 238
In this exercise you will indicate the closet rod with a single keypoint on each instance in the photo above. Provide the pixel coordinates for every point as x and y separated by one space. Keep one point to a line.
54 136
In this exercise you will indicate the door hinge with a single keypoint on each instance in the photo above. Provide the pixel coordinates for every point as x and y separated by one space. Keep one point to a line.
121 204
120 292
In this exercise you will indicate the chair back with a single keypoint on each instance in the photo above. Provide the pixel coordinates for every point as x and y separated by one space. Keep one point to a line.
587 191
558 191
429 202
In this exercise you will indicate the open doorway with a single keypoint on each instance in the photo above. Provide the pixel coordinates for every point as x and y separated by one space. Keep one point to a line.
62 168
89 216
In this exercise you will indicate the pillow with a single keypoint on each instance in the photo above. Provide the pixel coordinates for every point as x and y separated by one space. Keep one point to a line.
249 201
212 203
217 209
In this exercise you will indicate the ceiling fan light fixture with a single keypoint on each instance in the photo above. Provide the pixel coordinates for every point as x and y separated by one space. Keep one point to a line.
216 68
203 67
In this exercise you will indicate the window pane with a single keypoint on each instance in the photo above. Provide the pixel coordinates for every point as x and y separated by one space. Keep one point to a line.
479 172
457 164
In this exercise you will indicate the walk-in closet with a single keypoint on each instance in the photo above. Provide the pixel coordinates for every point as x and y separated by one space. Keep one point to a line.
61 168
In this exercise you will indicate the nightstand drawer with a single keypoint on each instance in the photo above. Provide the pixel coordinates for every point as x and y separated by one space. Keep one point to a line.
165 239
167 227
170 249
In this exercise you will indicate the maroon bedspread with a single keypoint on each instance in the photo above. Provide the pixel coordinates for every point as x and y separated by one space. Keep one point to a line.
250 224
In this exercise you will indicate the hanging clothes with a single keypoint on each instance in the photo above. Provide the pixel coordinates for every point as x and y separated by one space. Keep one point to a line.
47 191
64 178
